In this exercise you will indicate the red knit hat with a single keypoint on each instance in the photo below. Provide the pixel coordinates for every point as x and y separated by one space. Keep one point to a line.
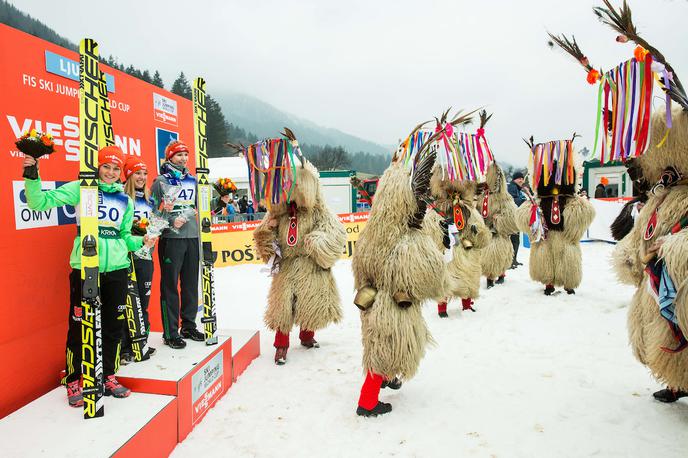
132 166
111 155
175 147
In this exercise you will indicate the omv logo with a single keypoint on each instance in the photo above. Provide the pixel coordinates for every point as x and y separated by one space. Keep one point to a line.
26 218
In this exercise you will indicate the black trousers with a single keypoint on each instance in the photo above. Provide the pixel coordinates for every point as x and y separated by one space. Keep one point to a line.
179 267
113 294
515 241
144 280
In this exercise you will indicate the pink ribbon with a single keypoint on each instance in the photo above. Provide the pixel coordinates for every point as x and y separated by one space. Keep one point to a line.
667 80
447 130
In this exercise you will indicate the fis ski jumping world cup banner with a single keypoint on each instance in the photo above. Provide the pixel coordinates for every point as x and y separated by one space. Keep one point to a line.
233 242
39 87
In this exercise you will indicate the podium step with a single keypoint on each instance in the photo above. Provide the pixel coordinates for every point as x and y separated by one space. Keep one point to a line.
171 393
198 375
134 426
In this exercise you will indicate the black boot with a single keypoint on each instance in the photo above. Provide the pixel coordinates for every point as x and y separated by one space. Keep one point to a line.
193 334
149 352
393 384
668 395
380 409
500 280
570 291
175 342
490 283
549 289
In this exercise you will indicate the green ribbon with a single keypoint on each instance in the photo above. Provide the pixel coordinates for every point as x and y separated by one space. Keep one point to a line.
599 114
290 152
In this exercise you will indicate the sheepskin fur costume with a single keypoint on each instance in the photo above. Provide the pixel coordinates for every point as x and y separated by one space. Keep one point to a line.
392 257
557 259
498 209
463 270
303 292
648 330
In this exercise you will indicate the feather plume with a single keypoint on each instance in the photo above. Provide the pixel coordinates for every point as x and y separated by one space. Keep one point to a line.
420 185
530 142
289 134
571 47
484 118
622 22
238 148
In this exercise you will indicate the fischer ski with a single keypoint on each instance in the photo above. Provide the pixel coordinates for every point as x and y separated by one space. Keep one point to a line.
134 311
138 333
209 319
91 326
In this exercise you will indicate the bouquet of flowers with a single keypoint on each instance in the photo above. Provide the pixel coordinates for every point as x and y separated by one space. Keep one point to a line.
35 144
224 186
140 226
168 209
154 227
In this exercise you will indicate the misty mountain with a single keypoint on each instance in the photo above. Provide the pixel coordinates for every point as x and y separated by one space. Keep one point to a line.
264 120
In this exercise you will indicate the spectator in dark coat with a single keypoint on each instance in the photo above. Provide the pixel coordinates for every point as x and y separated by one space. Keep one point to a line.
515 191
243 203
601 188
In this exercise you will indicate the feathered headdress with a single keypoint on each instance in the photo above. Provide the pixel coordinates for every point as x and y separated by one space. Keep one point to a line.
552 161
272 167
461 156
625 92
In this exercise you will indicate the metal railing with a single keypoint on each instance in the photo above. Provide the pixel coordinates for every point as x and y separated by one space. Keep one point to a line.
238 218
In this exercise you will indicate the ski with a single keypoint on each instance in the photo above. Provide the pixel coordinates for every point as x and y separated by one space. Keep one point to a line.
137 327
91 329
134 312
106 135
209 319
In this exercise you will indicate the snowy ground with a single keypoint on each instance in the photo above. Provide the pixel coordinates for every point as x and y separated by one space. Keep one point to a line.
527 375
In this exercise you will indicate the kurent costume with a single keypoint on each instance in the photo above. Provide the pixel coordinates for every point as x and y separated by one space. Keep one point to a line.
498 210
652 256
557 219
469 235
300 238
396 267
462 162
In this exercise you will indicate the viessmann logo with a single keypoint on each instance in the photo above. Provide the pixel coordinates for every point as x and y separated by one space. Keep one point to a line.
164 109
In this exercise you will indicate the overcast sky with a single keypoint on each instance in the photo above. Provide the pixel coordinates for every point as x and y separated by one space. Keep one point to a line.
376 68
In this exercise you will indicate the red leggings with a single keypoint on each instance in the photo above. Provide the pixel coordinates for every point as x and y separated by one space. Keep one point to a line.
282 339
370 391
